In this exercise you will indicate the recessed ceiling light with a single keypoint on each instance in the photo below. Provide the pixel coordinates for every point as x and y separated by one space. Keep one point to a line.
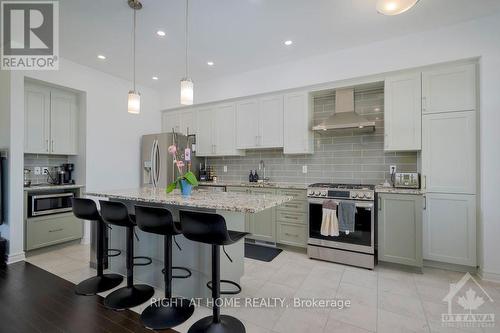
161 33
100 56
210 63
394 7
155 78
288 42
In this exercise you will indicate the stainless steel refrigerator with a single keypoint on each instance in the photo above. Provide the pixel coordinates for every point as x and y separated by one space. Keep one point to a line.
157 165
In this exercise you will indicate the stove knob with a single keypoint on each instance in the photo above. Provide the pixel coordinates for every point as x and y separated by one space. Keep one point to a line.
323 194
354 195
368 195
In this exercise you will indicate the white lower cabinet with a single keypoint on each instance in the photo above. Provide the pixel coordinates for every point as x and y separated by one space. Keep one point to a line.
449 224
400 229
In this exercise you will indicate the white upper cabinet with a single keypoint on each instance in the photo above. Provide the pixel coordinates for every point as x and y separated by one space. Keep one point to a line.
216 131
271 122
402 113
225 134
259 123
36 119
51 117
171 121
205 132
297 134
63 120
247 124
449 224
181 121
449 89
449 152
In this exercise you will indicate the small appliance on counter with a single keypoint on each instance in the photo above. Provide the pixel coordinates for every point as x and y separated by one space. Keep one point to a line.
207 173
407 180
27 181
68 169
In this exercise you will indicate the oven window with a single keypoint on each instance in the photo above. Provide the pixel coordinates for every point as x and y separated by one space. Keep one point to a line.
362 228
45 204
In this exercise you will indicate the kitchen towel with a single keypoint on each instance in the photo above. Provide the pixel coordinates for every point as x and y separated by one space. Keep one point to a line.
329 222
347 216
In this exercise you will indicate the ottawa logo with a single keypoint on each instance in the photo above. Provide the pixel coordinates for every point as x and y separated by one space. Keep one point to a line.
464 301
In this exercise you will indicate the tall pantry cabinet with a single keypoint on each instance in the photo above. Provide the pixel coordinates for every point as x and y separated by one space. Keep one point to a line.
449 164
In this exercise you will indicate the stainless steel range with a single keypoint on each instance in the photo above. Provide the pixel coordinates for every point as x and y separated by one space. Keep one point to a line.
352 248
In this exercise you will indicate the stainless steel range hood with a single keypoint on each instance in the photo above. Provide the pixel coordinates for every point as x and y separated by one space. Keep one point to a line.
344 116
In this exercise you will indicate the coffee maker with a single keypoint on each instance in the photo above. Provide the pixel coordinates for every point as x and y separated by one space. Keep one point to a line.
65 173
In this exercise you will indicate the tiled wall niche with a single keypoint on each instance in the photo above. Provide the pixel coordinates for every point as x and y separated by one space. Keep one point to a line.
40 160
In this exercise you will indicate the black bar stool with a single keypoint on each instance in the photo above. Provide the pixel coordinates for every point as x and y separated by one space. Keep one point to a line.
116 213
171 311
86 209
211 229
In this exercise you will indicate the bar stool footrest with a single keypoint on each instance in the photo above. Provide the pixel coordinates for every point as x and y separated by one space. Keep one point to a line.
148 261
187 270
227 292
114 252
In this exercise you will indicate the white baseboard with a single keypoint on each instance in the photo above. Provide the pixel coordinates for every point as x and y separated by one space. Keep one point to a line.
488 276
12 258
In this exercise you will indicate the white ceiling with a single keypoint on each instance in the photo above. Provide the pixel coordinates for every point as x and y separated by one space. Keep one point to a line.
238 35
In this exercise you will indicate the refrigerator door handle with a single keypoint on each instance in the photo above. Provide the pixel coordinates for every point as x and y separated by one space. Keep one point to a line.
157 163
152 169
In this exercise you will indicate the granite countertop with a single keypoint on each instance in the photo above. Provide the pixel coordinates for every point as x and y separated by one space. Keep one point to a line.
396 190
297 186
45 187
234 202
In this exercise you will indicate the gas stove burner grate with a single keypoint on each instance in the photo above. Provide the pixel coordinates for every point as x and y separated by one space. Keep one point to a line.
343 186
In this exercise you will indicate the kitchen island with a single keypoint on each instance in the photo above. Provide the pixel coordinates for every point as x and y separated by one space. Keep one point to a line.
194 256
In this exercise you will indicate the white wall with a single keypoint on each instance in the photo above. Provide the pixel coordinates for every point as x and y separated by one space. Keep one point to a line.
112 136
479 38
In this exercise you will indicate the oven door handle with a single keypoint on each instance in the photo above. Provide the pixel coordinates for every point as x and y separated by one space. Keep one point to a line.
359 204
46 196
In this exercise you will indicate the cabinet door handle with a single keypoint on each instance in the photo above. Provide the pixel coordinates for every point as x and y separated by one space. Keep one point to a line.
379 204
52 146
425 202
47 144
55 230
289 234
291 217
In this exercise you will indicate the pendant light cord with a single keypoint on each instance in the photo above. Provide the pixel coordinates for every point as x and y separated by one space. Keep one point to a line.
133 45
186 36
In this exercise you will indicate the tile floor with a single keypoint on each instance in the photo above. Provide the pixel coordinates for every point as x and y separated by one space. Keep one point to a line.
383 300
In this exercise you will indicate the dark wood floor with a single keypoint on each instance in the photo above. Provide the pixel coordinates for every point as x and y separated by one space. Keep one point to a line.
33 300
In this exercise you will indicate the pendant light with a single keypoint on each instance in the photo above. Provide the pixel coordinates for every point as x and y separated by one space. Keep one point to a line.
134 97
187 86
394 7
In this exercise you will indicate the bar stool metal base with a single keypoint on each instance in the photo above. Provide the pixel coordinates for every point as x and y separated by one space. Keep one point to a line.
129 297
98 284
167 313
227 324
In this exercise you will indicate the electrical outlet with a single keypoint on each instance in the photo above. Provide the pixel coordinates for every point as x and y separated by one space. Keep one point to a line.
225 168
392 169
304 169
38 171
45 170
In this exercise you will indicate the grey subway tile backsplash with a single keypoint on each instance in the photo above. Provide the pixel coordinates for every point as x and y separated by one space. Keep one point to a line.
350 156
41 160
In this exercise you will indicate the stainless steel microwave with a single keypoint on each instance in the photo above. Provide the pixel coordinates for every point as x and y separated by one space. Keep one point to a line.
49 203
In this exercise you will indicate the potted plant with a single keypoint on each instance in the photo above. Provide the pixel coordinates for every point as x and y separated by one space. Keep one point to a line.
187 180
